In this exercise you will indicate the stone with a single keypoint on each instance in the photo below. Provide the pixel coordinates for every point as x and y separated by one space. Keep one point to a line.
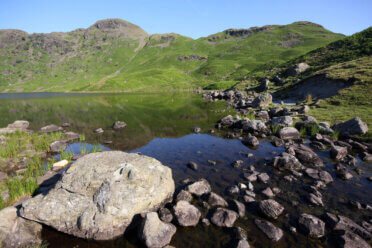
99 130
287 162
237 163
199 187
154 233
119 125
324 127
345 224
311 225
318 145
268 192
3 176
338 152
186 214
51 128
57 146
233 190
184 195
19 125
272 232
264 84
60 164
196 130
348 239
315 199
112 186
262 101
238 207
72 136
253 126
271 208
216 200
365 156
65 125
263 177
284 121
289 133
342 172
192 165
263 115
242 244
223 217
251 141
165 215
16 231
297 69
353 126
307 156
251 177
227 121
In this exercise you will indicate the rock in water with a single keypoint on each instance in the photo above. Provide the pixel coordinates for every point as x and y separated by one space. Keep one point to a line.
311 225
16 231
100 193
224 218
272 232
186 214
271 208
154 233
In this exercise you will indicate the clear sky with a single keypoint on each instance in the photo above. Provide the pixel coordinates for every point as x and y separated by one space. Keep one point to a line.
194 18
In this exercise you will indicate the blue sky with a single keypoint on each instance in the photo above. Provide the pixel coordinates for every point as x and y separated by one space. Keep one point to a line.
194 18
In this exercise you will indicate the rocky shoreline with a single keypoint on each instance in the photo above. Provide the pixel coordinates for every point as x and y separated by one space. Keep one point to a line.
103 194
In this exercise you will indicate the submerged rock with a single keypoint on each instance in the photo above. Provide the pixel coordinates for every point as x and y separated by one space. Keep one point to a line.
154 233
111 186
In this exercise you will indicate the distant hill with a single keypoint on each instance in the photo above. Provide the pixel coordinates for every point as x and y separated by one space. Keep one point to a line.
115 55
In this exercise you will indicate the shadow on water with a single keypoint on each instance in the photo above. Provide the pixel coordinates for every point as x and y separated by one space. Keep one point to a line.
160 127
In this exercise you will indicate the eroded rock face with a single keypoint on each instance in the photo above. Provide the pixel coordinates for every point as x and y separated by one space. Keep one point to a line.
100 193
16 231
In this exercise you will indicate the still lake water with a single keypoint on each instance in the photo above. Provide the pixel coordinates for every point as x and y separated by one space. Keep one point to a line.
160 125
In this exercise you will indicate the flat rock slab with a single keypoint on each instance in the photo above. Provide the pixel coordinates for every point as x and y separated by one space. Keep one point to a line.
100 193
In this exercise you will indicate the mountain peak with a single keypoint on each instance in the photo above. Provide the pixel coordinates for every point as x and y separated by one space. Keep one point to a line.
119 26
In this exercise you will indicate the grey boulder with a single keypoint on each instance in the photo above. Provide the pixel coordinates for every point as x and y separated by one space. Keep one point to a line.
311 225
154 233
272 232
223 217
353 126
100 193
271 208
186 214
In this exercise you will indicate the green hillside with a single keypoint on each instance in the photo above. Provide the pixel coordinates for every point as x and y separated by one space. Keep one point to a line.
115 55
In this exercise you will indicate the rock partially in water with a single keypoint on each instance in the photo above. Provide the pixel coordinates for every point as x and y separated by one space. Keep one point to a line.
338 152
16 231
111 186
306 156
192 165
251 141
223 217
271 208
288 133
311 225
165 215
272 232
199 188
154 233
348 239
287 162
238 207
216 200
184 195
186 214
119 125
58 146
342 172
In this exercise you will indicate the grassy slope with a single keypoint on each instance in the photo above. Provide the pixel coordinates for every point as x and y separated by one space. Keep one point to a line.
107 62
345 59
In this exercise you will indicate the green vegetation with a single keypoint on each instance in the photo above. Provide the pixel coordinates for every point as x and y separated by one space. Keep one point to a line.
22 146
99 59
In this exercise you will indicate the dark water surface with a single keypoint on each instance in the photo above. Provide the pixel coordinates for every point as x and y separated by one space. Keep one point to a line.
161 126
